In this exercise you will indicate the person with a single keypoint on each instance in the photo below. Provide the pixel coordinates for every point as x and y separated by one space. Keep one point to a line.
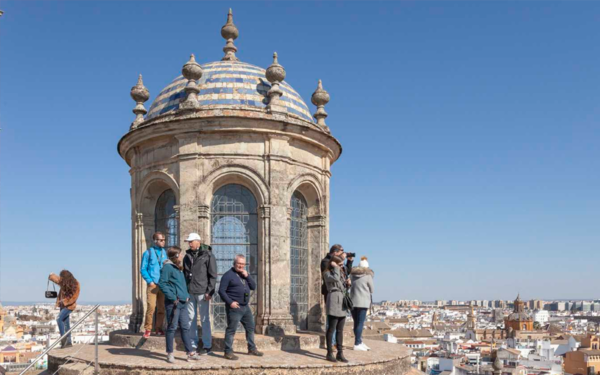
66 302
152 263
361 291
336 314
172 284
200 270
234 290
335 250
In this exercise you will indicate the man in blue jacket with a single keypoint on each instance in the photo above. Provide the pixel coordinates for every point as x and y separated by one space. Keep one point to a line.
234 290
152 263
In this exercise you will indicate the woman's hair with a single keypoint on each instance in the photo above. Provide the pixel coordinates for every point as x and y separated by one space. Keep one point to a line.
68 283
173 255
335 259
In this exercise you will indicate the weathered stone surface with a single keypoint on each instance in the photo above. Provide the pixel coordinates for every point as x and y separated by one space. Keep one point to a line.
384 359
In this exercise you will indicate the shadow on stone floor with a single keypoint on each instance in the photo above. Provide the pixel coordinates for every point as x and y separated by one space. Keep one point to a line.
137 353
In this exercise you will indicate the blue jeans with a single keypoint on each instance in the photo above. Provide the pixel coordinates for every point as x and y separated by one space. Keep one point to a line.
195 301
64 323
243 315
177 315
359 315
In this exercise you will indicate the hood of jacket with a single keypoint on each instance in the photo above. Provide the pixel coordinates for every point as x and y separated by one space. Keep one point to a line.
361 271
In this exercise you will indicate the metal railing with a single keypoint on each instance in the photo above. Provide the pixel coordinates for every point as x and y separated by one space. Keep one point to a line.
96 367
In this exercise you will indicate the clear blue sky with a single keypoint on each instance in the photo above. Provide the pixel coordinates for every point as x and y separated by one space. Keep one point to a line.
471 166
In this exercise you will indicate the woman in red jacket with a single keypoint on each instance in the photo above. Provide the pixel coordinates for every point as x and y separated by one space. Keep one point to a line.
66 301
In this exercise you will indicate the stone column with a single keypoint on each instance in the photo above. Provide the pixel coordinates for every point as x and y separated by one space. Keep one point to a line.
188 179
137 282
316 313
204 227
264 274
277 317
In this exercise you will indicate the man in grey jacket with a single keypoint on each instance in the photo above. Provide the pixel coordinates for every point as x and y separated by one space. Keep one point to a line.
200 270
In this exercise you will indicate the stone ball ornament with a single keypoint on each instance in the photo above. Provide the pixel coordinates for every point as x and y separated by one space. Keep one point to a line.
139 92
275 72
320 97
229 31
192 70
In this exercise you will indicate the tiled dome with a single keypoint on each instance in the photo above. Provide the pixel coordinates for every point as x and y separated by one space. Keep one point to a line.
229 83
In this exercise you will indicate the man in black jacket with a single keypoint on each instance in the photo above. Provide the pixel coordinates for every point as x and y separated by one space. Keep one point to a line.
200 270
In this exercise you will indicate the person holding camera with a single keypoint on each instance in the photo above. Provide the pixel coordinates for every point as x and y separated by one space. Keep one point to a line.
234 290
335 308
361 292
66 301
152 263
336 250
172 284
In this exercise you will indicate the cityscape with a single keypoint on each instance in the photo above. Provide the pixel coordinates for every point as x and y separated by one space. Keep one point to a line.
446 337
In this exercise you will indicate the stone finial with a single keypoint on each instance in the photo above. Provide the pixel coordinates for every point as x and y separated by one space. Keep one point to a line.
229 32
275 74
497 365
140 94
319 98
192 71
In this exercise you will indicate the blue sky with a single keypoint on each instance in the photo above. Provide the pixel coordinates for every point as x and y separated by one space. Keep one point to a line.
470 131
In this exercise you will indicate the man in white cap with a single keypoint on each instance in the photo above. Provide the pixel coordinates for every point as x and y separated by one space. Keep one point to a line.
200 270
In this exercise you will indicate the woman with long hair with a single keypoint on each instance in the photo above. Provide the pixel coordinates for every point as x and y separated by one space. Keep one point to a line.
336 313
172 284
66 301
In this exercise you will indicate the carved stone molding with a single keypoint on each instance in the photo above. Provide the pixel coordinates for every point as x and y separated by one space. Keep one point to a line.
289 213
203 211
139 220
265 212
317 221
176 208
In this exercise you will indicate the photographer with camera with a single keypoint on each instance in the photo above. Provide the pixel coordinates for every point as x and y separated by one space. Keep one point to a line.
336 250
66 301
234 290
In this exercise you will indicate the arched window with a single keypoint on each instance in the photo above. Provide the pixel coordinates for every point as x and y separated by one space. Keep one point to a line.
234 224
299 261
165 218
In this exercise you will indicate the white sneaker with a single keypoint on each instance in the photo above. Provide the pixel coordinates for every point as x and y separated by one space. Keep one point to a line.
171 358
360 348
365 346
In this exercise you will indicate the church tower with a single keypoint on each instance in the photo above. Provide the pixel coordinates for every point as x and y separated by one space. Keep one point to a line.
471 319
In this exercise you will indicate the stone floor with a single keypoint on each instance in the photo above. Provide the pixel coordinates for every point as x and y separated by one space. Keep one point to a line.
146 361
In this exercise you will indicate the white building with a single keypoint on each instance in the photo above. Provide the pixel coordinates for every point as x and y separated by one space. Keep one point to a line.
541 316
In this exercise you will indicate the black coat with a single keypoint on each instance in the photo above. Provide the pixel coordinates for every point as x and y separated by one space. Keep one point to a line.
345 269
200 270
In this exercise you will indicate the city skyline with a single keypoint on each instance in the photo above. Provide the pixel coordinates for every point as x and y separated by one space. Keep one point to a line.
468 132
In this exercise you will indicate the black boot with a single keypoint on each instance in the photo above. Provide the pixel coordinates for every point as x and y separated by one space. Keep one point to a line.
330 356
340 356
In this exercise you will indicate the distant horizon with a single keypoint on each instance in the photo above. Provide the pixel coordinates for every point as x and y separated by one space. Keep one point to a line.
26 303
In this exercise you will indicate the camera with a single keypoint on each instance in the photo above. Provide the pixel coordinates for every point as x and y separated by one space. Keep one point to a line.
351 255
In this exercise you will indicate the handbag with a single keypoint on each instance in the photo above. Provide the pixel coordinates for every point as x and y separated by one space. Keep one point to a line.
347 302
51 293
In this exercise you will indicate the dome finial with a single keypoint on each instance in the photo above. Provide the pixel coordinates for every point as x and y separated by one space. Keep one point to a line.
140 94
319 98
192 71
275 74
229 32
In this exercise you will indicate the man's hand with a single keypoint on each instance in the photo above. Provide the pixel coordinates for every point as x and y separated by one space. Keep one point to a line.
244 274
207 297
234 305
176 302
351 258
151 285
348 282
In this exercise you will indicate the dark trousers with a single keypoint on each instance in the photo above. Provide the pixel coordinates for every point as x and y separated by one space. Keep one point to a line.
177 315
243 315
359 315
336 324
64 323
